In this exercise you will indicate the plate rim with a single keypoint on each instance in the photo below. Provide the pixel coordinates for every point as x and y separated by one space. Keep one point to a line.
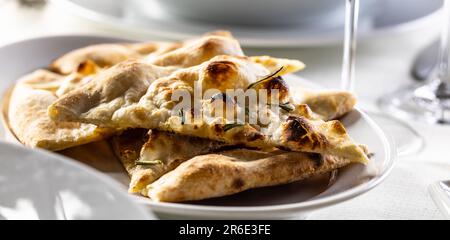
389 148
333 39
203 210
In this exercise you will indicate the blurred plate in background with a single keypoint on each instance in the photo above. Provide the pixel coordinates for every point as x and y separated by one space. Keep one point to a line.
151 18
35 184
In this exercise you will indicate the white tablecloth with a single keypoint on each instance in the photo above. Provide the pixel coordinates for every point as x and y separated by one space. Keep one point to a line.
383 64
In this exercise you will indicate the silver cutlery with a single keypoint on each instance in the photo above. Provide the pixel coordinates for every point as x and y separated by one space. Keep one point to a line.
425 62
430 101
440 193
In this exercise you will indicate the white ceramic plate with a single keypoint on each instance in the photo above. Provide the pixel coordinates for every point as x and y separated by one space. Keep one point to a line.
36 184
292 200
389 16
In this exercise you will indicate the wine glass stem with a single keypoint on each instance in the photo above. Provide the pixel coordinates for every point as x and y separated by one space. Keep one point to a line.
348 61
443 90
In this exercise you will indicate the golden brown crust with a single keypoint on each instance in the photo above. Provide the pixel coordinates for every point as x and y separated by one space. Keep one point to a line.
168 148
216 175
119 86
274 64
42 79
189 53
89 102
200 50
153 110
331 104
299 131
41 88
104 55
107 55
130 86
83 104
29 121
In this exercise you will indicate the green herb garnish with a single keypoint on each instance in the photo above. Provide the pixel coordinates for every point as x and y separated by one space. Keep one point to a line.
223 96
270 76
247 111
147 162
230 126
287 107
183 118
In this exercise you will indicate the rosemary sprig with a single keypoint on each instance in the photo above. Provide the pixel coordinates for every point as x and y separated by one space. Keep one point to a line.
288 107
230 126
183 118
148 163
270 76
222 96
247 111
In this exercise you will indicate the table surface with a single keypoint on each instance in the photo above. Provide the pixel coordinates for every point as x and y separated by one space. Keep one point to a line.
383 65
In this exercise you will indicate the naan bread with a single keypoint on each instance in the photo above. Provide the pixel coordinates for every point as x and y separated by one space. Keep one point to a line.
88 103
107 55
188 169
171 149
195 52
158 153
81 65
230 172
123 86
181 55
274 64
30 123
329 104
296 131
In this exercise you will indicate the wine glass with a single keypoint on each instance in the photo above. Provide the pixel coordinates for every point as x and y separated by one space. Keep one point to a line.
429 102
408 140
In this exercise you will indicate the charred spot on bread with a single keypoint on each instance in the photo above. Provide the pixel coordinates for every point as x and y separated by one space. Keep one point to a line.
221 71
276 83
218 128
317 159
337 127
300 131
86 67
238 183
296 128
